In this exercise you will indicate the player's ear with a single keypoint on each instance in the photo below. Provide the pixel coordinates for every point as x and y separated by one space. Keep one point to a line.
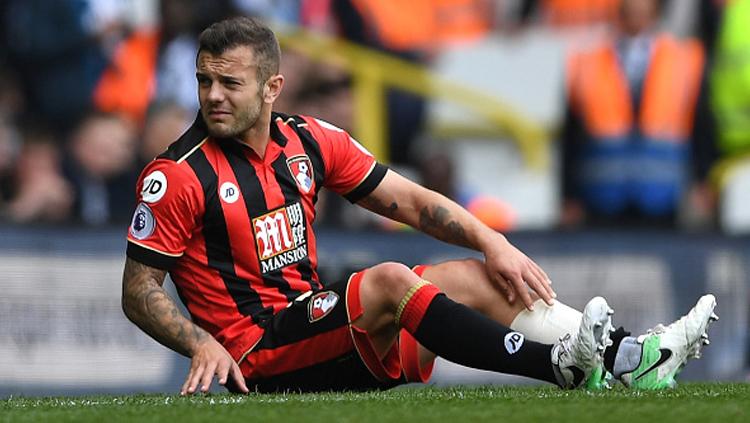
272 88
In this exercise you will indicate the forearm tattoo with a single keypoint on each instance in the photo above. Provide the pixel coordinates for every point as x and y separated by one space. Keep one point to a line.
376 205
438 224
146 304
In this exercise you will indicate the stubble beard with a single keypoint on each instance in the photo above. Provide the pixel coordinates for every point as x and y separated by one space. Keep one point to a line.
238 126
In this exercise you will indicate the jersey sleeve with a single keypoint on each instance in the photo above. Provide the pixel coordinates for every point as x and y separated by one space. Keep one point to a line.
168 201
350 170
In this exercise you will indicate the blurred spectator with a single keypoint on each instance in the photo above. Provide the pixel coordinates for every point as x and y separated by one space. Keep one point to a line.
708 22
412 31
366 22
633 110
127 85
279 11
571 13
181 22
56 51
437 172
40 192
731 80
316 89
730 97
9 148
12 101
164 124
100 165
317 15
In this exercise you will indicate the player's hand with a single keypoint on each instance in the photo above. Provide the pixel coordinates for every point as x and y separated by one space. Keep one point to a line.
211 359
515 273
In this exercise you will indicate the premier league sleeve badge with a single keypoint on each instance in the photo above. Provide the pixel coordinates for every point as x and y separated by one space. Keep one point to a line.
143 222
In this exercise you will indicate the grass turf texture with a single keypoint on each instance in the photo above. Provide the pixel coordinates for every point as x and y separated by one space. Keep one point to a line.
688 403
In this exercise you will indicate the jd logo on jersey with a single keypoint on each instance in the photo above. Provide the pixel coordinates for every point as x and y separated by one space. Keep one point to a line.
321 304
302 171
229 192
154 187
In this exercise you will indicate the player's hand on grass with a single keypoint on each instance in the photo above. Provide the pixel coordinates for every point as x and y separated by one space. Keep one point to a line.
515 273
211 359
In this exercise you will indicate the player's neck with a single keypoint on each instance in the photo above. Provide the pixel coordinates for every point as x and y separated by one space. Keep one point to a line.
257 136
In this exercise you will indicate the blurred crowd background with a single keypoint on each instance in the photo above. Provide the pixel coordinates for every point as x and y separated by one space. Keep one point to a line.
601 112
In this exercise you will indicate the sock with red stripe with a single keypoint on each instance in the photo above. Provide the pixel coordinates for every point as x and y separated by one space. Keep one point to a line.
464 336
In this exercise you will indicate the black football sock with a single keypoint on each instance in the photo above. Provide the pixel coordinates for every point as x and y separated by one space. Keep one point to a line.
464 336
611 351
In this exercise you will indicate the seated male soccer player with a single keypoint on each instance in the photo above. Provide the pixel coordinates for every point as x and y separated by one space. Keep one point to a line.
227 210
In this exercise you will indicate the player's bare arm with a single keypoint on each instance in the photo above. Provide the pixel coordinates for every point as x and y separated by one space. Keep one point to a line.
405 201
147 304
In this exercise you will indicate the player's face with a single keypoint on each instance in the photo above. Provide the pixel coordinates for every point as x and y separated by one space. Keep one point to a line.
229 93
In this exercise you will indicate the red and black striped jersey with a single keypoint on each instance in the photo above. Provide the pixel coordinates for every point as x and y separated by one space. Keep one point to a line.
233 229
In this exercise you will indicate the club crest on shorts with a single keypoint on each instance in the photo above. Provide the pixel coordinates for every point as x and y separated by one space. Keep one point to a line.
302 171
321 304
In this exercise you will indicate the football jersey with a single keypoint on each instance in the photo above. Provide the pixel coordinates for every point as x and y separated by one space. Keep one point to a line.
233 229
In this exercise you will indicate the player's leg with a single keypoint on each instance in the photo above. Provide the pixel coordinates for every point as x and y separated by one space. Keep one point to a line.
466 281
638 362
394 297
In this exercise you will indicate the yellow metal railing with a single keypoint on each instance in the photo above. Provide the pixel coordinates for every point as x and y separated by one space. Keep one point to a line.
373 72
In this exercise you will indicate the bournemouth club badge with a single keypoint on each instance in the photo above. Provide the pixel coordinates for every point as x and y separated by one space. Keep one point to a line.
321 304
302 171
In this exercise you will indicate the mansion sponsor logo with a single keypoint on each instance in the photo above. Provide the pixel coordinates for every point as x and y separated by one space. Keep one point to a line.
281 237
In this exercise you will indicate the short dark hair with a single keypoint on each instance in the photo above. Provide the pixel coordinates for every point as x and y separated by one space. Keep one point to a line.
244 31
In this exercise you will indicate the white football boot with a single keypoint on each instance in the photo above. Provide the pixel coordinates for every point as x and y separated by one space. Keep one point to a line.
666 350
575 357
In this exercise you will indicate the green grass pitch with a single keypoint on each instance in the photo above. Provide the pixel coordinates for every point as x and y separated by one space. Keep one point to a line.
688 403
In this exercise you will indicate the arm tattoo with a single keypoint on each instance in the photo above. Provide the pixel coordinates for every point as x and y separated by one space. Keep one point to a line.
376 205
439 225
147 304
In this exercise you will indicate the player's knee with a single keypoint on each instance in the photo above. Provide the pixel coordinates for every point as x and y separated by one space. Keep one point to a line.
457 270
467 282
393 273
393 279
471 268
